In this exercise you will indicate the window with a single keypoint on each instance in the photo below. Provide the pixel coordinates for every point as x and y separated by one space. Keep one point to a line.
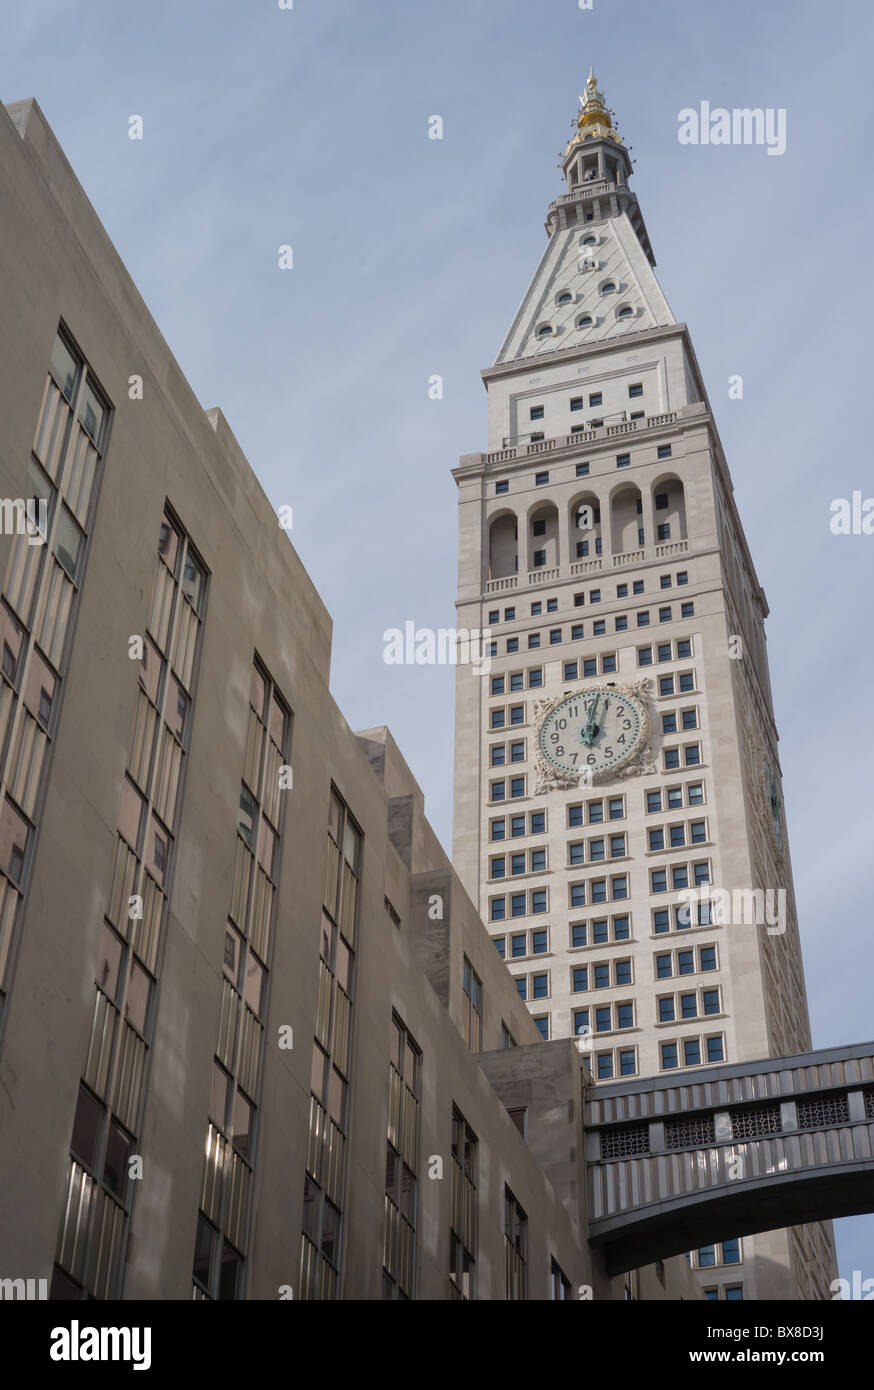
635 390
664 531
595 398
507 1039
555 637
622 591
463 1181
576 402
579 979
664 451
621 623
503 486
536 609
540 479
560 1284
643 618
664 615
623 460
501 946
497 685
536 412
582 470
552 605
687 610
473 1017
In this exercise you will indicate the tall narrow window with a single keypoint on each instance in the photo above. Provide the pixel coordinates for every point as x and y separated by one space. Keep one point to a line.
473 1007
462 1206
401 1165
515 1247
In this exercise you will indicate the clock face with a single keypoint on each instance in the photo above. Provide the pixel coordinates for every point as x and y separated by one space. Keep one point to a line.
596 730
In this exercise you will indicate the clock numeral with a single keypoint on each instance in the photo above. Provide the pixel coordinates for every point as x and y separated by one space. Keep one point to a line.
561 723
626 723
591 759
574 757
560 751
608 752
553 738
621 738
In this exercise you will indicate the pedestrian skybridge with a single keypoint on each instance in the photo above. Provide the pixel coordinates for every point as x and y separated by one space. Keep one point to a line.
677 1162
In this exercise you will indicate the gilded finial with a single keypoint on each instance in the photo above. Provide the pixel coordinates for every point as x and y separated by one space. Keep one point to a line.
593 118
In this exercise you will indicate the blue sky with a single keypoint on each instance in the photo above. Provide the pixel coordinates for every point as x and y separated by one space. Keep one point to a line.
308 127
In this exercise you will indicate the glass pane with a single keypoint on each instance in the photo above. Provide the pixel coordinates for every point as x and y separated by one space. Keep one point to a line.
192 582
233 951
136 1005
92 413
177 708
108 962
11 637
336 1096
68 543
277 723
115 1164
168 544
246 816
257 692
242 1124
218 1096
13 842
230 1271
351 844
39 496
254 988
64 367
396 1045
342 971
310 1208
157 851
39 690
267 843
203 1246
150 671
317 1075
86 1128
130 814
330 1232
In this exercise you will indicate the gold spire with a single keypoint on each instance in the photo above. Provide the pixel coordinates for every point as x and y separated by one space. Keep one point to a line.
593 118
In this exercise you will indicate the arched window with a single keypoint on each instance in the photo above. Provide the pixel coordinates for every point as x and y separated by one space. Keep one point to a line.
608 287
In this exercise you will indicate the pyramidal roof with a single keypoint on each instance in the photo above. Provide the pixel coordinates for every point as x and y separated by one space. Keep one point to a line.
595 279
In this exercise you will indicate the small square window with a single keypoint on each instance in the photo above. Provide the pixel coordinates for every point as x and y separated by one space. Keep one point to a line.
503 486
623 460
637 586
552 605
540 479
537 412
664 451
582 470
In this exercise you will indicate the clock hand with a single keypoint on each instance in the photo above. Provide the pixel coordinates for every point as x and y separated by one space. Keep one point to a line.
590 728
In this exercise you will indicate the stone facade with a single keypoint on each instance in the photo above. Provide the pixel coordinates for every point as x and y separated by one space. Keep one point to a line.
251 1025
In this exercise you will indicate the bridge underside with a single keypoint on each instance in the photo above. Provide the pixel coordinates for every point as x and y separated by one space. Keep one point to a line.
640 1237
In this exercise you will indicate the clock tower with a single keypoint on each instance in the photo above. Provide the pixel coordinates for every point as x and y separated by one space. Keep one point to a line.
618 807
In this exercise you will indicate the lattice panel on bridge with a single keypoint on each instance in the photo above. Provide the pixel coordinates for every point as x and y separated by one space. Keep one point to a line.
690 1133
754 1121
823 1110
625 1141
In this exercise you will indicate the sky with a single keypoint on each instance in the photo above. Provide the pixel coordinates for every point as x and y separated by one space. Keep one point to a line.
308 127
